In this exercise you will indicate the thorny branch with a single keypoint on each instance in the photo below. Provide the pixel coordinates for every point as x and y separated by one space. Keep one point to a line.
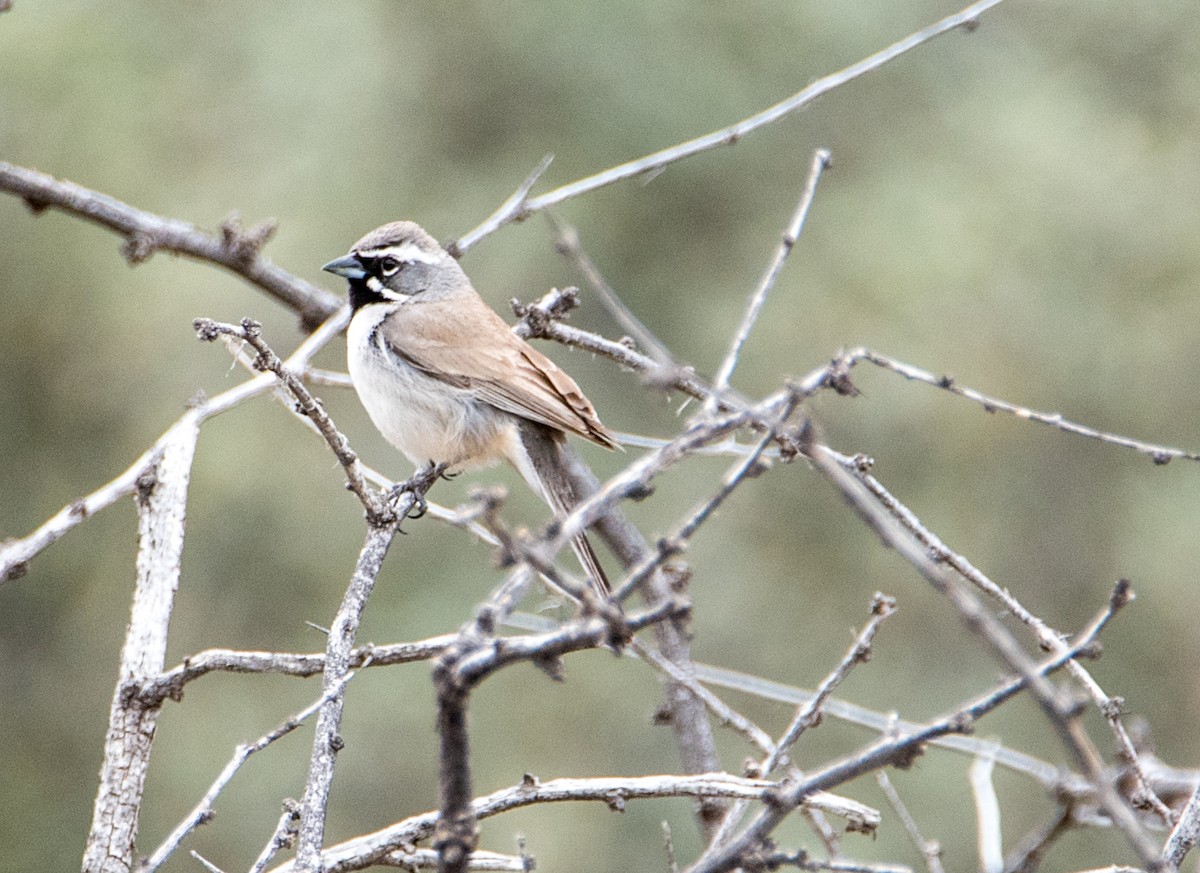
735 133
472 655
898 750
615 792
145 233
758 299
15 555
1063 712
808 714
841 365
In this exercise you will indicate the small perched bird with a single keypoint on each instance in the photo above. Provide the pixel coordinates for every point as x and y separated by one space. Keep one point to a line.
446 381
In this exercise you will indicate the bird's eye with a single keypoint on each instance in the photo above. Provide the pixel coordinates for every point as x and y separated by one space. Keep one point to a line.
389 266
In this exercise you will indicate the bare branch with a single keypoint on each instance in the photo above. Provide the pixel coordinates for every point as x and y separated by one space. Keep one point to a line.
931 850
427 859
1157 453
327 743
473 657
1185 834
614 791
566 242
170 684
1049 638
897 750
203 811
283 837
820 161
512 209
250 331
162 497
1062 712
670 546
733 134
15 555
146 233
987 814
724 714
809 713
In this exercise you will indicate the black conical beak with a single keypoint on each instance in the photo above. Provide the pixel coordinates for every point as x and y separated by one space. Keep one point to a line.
348 267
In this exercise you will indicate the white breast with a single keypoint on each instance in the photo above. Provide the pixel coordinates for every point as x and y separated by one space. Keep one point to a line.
425 418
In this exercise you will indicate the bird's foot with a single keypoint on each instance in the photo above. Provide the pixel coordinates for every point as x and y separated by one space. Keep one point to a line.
417 485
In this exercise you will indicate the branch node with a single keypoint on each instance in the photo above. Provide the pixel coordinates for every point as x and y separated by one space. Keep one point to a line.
838 377
244 245
615 801
1122 595
138 248
1113 708
144 487
906 756
882 604
638 491
206 329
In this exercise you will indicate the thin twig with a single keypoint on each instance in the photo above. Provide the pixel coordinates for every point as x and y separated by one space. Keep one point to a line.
205 863
512 209
758 299
671 545
1184 835
1159 454
203 811
170 684
931 850
990 846
362 851
809 713
474 656
898 749
733 134
15 555
426 859
250 331
1049 638
1062 711
283 837
1049 776
566 242
720 710
1028 855
145 233
801 861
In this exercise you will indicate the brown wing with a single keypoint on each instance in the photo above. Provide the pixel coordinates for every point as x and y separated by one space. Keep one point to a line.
466 344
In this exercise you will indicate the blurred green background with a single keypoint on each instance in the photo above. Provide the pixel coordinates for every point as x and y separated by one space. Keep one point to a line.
1016 207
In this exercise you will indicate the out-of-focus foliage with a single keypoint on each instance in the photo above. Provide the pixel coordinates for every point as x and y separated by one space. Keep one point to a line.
1016 206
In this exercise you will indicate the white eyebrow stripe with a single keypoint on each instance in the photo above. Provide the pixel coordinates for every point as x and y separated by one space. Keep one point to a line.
406 252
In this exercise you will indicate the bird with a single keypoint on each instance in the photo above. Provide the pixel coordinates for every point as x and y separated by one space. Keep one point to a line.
445 380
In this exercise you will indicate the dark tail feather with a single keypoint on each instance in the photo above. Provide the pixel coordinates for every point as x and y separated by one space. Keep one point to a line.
544 447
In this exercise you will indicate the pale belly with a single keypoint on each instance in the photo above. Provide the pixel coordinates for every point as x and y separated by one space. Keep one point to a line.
423 417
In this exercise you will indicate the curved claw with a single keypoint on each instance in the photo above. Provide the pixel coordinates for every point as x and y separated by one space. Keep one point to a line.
418 509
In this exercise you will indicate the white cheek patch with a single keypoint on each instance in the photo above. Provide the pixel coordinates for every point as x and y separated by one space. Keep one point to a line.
383 291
